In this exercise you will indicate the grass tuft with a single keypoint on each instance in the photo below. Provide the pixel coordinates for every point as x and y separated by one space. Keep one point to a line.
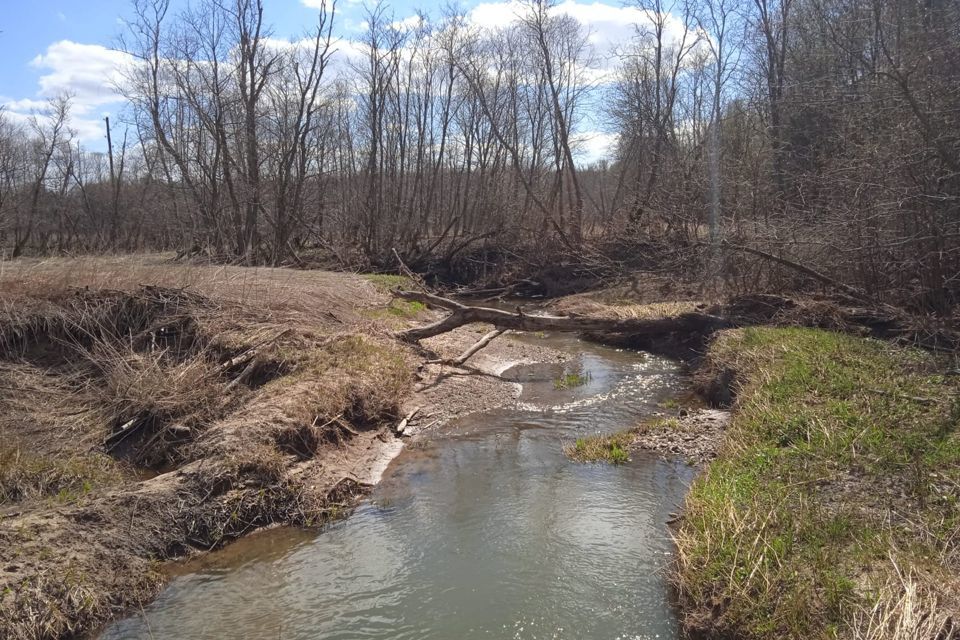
601 448
572 380
397 312
387 282
25 476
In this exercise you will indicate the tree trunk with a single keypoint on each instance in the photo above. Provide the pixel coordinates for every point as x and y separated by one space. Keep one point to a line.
462 314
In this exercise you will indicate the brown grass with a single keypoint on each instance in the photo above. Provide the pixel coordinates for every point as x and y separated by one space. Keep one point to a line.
323 297
623 310
266 390
905 608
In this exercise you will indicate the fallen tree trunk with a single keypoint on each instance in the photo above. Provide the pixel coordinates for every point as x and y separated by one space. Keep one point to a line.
461 314
475 347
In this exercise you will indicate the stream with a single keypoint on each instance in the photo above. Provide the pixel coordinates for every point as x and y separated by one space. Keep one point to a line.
485 531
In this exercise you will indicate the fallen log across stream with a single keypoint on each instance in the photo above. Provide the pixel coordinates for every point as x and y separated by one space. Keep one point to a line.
884 322
461 314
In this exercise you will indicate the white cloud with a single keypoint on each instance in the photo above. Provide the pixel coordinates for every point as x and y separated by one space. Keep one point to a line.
408 23
89 73
594 145
24 104
611 27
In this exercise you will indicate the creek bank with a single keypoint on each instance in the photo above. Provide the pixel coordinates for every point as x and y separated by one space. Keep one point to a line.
827 502
143 424
830 508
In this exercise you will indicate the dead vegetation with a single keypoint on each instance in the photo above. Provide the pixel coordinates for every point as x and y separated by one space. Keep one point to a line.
140 423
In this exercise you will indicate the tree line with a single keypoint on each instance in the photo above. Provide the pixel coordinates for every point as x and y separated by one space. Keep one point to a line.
823 131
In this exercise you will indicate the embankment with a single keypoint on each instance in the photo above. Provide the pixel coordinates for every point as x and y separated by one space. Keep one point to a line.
144 423
830 506
831 510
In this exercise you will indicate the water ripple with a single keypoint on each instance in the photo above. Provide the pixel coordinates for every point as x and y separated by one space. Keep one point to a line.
490 533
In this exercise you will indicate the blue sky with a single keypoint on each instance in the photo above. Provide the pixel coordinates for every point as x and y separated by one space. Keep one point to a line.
49 47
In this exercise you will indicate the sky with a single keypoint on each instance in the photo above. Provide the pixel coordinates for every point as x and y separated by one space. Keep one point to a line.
48 47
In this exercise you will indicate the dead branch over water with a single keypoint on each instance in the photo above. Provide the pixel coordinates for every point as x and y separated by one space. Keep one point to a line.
461 314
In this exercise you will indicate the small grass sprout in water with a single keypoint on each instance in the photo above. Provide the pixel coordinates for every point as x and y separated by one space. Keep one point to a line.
613 448
571 380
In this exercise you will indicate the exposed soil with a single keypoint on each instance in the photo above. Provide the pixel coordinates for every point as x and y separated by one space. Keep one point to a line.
695 435
445 392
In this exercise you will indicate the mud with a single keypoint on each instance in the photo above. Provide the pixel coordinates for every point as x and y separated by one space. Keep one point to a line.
695 435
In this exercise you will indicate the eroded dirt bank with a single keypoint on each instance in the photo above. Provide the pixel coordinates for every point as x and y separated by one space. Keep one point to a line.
150 411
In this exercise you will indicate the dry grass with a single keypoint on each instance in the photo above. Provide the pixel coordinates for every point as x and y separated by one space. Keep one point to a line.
259 386
905 609
132 384
25 476
319 295
622 310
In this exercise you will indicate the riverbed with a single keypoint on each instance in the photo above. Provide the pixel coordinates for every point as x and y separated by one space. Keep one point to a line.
482 530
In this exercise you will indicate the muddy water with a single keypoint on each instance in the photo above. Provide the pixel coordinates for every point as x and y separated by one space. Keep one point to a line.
486 532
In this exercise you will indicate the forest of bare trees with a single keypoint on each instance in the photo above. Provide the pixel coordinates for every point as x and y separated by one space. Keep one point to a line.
823 132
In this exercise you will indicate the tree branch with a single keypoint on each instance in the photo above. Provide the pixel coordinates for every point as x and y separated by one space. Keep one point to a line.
461 314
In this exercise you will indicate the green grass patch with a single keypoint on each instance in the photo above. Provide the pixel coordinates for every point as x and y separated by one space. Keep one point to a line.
789 533
397 312
406 308
612 448
386 282
571 380
26 476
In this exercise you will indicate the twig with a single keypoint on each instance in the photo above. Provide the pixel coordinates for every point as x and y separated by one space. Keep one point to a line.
126 429
251 351
401 427
243 374
477 346
405 270
902 396
796 266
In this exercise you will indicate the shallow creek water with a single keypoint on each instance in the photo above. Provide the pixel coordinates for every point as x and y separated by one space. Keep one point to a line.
488 531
